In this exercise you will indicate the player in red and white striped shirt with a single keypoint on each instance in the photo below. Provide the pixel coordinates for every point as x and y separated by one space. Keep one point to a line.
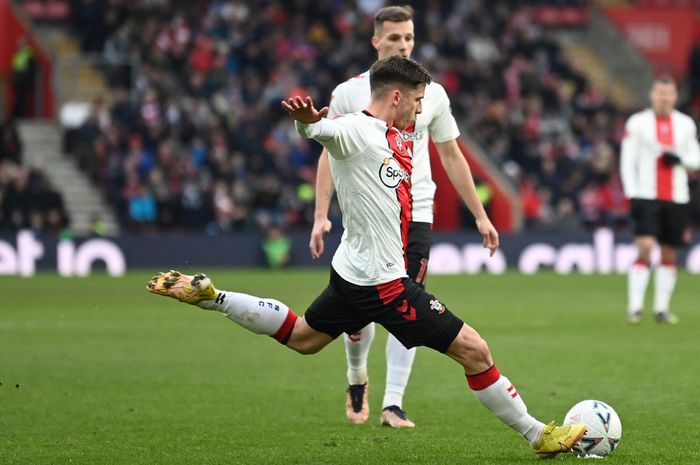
659 146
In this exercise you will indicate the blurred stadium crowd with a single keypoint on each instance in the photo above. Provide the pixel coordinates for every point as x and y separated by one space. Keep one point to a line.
196 140
27 200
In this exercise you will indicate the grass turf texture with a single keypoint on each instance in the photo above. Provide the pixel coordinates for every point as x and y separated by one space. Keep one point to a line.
98 371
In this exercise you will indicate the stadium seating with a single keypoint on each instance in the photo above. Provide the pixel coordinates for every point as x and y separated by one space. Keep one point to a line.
204 145
27 201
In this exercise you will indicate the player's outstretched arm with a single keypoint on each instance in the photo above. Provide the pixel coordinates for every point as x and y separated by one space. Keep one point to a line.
324 194
303 110
460 175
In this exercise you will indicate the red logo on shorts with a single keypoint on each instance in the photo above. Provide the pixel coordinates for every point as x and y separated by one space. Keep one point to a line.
408 311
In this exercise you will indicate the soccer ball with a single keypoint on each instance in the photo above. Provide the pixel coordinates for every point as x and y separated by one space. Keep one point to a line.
604 428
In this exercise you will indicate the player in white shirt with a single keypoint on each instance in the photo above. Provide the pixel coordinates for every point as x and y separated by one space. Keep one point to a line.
372 170
393 35
659 147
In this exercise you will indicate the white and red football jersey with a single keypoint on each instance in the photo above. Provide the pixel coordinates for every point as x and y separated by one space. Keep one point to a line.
371 166
435 120
647 137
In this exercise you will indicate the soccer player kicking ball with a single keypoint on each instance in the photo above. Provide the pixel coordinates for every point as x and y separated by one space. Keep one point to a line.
394 35
659 147
371 167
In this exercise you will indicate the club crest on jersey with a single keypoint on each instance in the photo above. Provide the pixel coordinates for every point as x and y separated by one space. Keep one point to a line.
437 306
399 143
391 174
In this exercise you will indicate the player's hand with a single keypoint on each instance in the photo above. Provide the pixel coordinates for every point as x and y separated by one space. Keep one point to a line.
670 159
303 110
490 235
320 229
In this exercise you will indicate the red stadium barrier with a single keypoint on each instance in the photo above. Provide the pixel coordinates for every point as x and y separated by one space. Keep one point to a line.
664 35
11 29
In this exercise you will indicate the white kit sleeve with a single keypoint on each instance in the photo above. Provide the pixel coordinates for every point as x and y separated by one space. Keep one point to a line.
443 127
690 155
341 139
629 158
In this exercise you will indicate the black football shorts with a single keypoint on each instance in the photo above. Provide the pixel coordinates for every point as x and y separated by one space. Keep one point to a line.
403 307
666 221
418 251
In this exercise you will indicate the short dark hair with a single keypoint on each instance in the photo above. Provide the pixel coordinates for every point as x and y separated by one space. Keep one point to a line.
664 79
396 70
394 14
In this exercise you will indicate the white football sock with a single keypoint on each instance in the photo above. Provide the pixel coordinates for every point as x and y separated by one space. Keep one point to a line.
499 395
357 350
259 315
637 280
664 282
399 361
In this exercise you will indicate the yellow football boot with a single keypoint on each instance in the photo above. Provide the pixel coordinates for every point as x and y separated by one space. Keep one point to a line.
187 289
557 439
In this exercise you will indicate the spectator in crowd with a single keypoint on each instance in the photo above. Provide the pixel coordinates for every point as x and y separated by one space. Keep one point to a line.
277 248
10 144
27 201
23 71
26 198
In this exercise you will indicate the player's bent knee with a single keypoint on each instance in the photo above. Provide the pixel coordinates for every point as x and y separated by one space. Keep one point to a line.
305 340
471 351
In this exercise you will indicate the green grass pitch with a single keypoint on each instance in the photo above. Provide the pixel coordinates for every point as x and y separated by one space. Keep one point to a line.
98 371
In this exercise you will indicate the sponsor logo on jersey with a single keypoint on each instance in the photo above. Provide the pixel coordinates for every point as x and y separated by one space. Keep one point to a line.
391 174
412 136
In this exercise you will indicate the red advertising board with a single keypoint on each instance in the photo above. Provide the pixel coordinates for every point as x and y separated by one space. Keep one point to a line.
664 35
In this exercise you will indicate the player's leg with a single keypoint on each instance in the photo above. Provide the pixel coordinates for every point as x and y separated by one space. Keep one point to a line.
399 359
500 396
399 362
257 314
664 284
638 278
357 351
645 216
673 233
492 389
418 318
